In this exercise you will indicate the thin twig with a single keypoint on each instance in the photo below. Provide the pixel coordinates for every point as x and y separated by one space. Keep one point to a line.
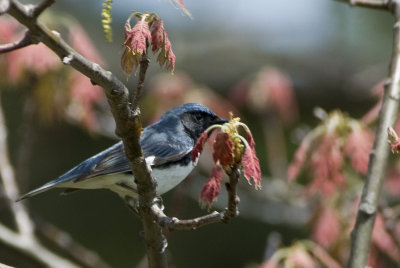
25 41
233 199
376 4
32 248
144 64
10 188
4 6
65 242
2 265
361 234
38 9
191 224
229 213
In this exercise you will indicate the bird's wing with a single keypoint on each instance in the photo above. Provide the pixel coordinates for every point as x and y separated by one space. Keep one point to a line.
165 143
160 153
158 148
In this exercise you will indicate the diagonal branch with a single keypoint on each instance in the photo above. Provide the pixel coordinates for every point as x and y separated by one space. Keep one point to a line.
367 210
67 244
128 123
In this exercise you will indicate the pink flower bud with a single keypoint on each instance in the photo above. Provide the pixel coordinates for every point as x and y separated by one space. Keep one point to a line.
212 187
223 149
135 43
161 42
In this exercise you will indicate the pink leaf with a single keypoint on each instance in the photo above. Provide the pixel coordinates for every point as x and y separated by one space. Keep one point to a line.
298 161
158 35
198 147
250 140
250 162
135 44
223 149
251 167
212 187
327 228
326 164
358 146
161 42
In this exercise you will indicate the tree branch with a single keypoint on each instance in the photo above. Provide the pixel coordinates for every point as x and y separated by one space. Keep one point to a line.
24 239
376 4
25 41
128 123
39 8
10 188
31 247
144 64
66 243
229 213
4 6
361 234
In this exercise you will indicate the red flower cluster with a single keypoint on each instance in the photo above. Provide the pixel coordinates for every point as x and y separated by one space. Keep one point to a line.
229 148
138 38
326 148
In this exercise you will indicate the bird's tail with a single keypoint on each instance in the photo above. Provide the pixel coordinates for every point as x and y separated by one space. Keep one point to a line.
37 191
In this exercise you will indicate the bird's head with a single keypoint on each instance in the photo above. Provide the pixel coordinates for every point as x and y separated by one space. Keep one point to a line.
195 118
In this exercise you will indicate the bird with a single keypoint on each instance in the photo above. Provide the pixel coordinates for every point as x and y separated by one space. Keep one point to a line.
167 146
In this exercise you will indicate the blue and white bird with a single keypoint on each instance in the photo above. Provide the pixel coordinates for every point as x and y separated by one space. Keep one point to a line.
166 144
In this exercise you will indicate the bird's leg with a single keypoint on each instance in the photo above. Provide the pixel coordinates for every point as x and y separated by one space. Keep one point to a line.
159 202
133 205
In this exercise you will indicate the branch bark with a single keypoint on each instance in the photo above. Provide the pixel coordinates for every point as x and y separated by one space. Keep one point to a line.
361 234
230 212
126 117
25 41
379 4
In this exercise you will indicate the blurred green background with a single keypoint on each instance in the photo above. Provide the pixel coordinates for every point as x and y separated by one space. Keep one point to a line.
333 53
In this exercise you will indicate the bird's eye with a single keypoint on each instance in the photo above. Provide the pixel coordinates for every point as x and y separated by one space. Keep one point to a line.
198 117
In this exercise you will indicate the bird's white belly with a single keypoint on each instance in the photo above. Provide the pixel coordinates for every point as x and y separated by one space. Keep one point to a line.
123 184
